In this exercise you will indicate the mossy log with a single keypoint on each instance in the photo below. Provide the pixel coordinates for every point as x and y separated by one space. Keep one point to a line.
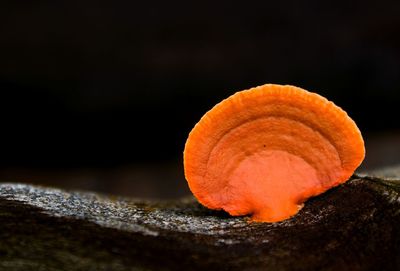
355 226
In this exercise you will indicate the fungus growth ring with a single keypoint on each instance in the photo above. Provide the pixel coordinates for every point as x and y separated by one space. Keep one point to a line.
264 151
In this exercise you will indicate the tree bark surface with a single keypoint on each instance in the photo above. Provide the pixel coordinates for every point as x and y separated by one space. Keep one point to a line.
355 226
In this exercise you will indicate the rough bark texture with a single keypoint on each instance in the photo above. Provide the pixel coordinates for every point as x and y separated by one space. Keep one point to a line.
355 226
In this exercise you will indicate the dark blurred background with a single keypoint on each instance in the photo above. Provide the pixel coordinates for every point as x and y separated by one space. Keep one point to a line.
101 95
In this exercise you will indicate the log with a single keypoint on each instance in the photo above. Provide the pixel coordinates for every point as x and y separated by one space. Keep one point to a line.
355 226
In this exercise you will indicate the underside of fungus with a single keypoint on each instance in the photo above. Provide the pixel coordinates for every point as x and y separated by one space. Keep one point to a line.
264 151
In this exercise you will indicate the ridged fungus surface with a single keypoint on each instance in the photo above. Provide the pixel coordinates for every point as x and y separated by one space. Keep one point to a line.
264 151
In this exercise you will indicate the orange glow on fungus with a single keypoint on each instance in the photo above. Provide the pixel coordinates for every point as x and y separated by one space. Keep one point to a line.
264 151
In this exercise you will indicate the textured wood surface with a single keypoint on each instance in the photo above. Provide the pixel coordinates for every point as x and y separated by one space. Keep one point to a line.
355 226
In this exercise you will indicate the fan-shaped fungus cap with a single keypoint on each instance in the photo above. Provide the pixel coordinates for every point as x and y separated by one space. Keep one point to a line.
266 150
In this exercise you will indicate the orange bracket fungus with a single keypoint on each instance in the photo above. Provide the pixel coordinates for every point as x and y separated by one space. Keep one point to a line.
264 151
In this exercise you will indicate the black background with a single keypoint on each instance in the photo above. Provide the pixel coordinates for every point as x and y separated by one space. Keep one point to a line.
96 86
